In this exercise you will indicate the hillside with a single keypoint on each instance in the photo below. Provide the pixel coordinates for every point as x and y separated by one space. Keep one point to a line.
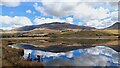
114 26
54 26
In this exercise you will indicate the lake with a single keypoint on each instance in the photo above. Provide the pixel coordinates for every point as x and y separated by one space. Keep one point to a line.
79 56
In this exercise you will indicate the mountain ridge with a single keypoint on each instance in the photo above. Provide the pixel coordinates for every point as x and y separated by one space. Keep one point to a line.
114 26
54 26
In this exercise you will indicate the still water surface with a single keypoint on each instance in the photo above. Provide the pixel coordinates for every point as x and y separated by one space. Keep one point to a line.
92 56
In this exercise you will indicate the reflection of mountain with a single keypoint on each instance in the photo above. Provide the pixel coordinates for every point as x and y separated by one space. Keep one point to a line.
96 56
54 26
114 26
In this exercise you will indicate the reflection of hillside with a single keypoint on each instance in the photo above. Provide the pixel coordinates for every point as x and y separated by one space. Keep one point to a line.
58 45
43 42
79 41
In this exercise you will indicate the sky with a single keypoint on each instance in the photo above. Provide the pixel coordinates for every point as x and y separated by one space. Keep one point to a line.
94 13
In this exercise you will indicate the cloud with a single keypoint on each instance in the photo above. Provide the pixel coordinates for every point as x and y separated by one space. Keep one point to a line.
14 3
28 11
69 20
10 3
12 22
93 22
79 10
114 14
84 11
43 20
69 54
39 8
78 0
100 24
58 11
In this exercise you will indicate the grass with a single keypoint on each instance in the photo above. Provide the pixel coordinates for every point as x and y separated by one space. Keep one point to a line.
110 31
13 57
79 41
79 34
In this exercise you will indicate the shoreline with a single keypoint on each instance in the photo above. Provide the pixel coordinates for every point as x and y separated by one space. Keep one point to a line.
25 38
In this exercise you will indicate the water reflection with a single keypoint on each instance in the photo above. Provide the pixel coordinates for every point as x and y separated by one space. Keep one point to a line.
89 56
94 56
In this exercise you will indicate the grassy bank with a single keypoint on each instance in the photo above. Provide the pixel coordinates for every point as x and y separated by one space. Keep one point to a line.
80 34
13 57
79 41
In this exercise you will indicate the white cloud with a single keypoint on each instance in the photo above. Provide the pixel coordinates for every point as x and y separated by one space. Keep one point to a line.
43 20
12 22
28 11
58 10
114 14
100 23
102 13
69 54
93 23
86 12
10 3
62 9
69 20
39 8
78 0
14 3
90 13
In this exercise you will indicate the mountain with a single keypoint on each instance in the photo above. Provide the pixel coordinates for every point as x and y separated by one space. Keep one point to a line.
1 30
114 26
54 26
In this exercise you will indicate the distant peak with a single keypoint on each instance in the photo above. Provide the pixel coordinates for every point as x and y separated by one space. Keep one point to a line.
56 22
117 23
114 26
55 26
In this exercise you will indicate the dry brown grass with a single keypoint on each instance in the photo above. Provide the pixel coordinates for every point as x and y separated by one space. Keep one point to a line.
109 31
115 42
12 57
